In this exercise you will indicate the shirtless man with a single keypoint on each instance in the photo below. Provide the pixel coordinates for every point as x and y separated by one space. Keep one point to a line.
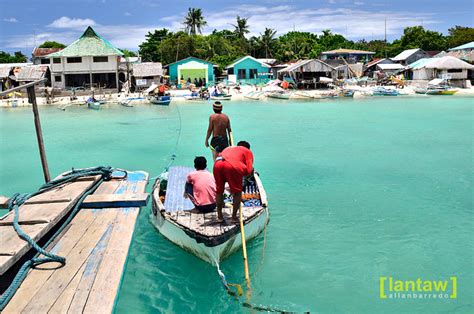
219 127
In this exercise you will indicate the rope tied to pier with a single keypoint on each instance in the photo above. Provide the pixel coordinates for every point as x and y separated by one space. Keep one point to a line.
19 199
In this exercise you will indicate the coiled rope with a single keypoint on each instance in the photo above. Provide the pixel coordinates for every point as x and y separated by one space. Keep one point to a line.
19 199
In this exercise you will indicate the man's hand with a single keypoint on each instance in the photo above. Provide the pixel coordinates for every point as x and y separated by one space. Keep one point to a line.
206 143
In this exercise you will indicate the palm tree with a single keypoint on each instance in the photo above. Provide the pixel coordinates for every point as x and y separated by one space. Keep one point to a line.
194 21
241 28
267 40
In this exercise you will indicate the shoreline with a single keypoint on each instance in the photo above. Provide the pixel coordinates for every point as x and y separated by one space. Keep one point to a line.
178 95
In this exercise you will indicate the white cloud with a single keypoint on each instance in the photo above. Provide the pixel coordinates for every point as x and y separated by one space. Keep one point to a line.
10 20
128 14
358 3
73 23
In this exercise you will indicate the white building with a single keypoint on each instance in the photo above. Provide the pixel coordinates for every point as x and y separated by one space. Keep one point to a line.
90 61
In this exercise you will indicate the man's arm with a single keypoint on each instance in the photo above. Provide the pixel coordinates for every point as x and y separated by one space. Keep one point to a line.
209 131
249 162
229 133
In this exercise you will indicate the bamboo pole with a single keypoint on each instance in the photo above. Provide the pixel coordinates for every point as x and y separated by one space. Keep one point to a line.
39 134
244 249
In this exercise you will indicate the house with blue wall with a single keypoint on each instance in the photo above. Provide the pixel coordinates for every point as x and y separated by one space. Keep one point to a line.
250 70
191 68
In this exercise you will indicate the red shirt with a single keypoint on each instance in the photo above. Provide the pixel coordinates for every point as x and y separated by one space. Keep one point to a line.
241 159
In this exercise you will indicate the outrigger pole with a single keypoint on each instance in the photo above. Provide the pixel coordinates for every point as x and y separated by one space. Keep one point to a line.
30 89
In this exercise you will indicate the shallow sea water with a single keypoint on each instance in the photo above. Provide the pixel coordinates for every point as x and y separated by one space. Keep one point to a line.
358 189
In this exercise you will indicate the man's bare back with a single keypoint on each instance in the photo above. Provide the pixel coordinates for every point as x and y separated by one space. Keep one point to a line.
219 124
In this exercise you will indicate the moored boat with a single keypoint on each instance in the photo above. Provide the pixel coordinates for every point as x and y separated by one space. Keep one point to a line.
279 95
160 100
96 105
221 97
382 91
201 234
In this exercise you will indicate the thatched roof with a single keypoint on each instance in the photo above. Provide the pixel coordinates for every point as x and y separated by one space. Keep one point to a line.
147 69
447 63
31 73
89 44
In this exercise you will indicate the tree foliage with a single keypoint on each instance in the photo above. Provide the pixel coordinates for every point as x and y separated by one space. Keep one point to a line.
224 46
51 44
16 57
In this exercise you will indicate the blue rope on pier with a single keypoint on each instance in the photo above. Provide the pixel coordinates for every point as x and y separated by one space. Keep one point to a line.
19 199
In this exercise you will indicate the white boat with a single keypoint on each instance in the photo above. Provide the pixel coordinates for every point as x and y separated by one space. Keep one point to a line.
201 234
254 95
221 97
160 100
195 98
279 95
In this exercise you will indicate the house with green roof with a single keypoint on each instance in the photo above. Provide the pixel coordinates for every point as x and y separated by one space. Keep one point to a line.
249 70
90 61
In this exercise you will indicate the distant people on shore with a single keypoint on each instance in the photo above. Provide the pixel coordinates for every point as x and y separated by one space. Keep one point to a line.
219 128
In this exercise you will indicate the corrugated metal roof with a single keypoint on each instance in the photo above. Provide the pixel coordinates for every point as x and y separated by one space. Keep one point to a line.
39 52
342 51
449 62
421 63
5 71
248 57
390 66
89 44
295 66
31 73
405 54
465 46
147 69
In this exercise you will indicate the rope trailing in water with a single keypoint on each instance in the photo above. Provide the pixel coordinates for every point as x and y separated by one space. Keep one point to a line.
19 199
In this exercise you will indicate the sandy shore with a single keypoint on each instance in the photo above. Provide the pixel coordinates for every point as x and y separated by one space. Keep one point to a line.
178 95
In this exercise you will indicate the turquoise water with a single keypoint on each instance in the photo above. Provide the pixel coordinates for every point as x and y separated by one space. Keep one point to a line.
358 189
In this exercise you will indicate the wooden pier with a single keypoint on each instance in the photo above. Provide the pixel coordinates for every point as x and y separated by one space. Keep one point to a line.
95 244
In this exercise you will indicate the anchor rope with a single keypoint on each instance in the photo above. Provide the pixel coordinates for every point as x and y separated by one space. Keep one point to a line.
19 199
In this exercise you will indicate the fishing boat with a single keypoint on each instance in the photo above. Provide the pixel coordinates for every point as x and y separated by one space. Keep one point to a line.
221 97
437 87
129 101
195 98
279 95
254 95
201 234
441 91
95 105
347 93
160 100
382 91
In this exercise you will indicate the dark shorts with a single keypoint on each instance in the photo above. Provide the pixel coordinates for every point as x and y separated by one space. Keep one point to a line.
209 208
219 143
206 208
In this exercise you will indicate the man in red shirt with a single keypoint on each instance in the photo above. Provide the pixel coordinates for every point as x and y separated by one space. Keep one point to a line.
231 166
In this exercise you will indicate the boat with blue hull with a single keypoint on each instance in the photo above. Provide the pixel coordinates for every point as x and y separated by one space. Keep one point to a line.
160 100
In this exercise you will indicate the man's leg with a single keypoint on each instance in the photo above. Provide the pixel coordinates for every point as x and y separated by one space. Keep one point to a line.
236 205
214 154
219 205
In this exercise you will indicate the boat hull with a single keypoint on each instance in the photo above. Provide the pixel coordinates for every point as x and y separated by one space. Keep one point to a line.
210 253
159 101
228 97
276 96
94 105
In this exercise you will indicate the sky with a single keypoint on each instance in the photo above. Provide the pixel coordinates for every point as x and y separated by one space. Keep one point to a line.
24 24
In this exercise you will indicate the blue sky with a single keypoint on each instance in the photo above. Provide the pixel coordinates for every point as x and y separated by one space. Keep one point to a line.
125 22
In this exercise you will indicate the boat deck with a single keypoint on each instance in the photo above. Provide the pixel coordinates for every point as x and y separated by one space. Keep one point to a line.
95 245
207 225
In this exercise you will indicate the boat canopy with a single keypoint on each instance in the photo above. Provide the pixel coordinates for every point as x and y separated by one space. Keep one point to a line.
151 88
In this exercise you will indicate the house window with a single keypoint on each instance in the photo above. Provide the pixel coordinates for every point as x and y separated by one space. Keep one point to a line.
101 59
454 70
230 71
241 74
74 60
56 60
57 78
253 73
44 61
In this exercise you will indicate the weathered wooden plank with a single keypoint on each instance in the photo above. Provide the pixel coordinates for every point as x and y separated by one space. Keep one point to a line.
37 277
64 300
50 199
12 243
107 282
59 280
115 200
3 201
89 273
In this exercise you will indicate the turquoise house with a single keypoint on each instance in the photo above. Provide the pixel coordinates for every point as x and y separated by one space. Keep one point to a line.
249 70
191 68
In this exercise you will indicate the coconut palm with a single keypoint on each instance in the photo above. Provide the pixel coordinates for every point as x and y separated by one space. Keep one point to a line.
241 27
194 21
267 41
